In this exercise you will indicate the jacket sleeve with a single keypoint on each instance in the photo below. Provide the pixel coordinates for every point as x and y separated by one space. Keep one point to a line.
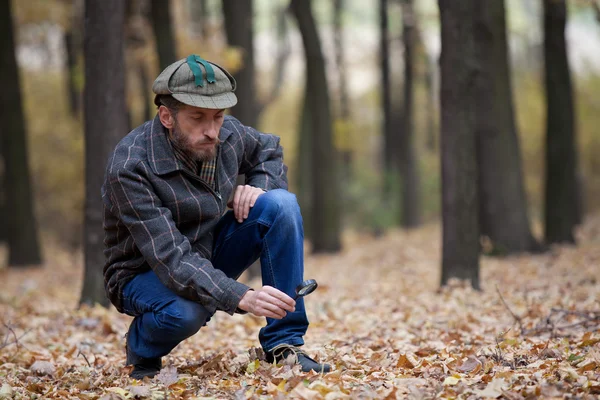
262 159
165 249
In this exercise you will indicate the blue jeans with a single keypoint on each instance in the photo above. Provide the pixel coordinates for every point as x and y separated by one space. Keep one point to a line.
273 231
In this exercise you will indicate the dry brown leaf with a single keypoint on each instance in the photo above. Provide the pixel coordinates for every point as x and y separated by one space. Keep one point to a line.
168 375
404 362
472 364
43 368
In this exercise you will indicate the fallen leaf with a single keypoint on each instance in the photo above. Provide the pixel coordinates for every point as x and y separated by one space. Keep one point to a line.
451 381
471 365
139 390
168 375
119 391
252 366
494 389
404 362
42 368
6 392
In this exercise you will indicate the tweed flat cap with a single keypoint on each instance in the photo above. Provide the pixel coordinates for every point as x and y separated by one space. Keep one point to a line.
197 82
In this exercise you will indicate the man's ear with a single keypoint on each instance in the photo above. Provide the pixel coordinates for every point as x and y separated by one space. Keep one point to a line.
166 118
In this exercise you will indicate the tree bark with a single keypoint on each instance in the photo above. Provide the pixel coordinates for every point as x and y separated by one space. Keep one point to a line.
105 125
503 205
338 9
23 244
71 46
344 102
410 183
145 85
459 69
160 12
305 165
386 96
238 16
561 194
199 17
3 211
283 54
326 210
430 106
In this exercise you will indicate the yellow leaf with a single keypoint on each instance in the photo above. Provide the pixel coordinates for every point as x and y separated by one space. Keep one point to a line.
451 380
120 392
252 366
281 386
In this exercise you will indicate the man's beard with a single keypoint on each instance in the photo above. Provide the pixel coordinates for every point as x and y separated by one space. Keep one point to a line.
183 143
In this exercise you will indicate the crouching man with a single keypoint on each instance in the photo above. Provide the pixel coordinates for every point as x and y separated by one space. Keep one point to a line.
173 252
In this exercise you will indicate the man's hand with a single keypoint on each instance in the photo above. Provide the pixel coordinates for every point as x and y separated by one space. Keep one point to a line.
267 302
244 198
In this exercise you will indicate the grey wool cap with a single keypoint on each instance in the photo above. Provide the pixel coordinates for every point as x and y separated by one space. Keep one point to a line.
197 82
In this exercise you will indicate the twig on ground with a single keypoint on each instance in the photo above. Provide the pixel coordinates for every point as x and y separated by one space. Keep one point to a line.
85 358
515 316
10 331
590 319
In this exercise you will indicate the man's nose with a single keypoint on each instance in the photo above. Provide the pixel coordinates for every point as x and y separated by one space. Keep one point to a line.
211 133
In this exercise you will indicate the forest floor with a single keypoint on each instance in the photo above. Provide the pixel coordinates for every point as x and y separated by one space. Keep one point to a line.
378 316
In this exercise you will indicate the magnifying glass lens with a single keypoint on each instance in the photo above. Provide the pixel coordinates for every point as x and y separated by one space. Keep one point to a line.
306 287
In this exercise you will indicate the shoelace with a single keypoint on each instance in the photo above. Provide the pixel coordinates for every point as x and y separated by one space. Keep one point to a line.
278 352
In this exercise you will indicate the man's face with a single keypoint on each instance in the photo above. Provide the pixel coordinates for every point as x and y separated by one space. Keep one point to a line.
196 131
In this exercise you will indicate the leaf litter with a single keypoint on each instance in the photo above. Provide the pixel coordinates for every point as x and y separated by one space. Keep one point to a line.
378 316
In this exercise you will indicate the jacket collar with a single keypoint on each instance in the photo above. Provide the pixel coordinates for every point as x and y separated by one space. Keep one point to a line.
161 156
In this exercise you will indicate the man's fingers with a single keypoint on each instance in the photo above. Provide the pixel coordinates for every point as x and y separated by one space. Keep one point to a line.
273 310
286 301
244 201
236 200
252 193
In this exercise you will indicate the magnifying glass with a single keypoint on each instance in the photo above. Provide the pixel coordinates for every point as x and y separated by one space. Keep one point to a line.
305 288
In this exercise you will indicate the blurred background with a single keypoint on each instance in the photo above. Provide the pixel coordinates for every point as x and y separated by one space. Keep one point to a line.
377 155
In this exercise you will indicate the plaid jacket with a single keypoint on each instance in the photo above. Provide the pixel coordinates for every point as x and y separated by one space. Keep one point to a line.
159 215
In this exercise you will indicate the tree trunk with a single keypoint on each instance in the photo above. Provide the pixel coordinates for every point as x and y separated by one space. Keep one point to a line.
238 16
283 54
145 85
3 211
160 11
459 68
326 210
105 125
503 204
305 165
338 8
344 102
71 46
561 157
386 95
23 246
411 213
199 18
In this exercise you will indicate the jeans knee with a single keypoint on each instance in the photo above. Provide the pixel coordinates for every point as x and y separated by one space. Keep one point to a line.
183 318
280 201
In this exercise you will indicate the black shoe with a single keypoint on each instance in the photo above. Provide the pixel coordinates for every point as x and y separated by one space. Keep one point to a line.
282 353
142 366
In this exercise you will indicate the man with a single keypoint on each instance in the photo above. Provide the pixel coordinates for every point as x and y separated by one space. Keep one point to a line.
173 256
